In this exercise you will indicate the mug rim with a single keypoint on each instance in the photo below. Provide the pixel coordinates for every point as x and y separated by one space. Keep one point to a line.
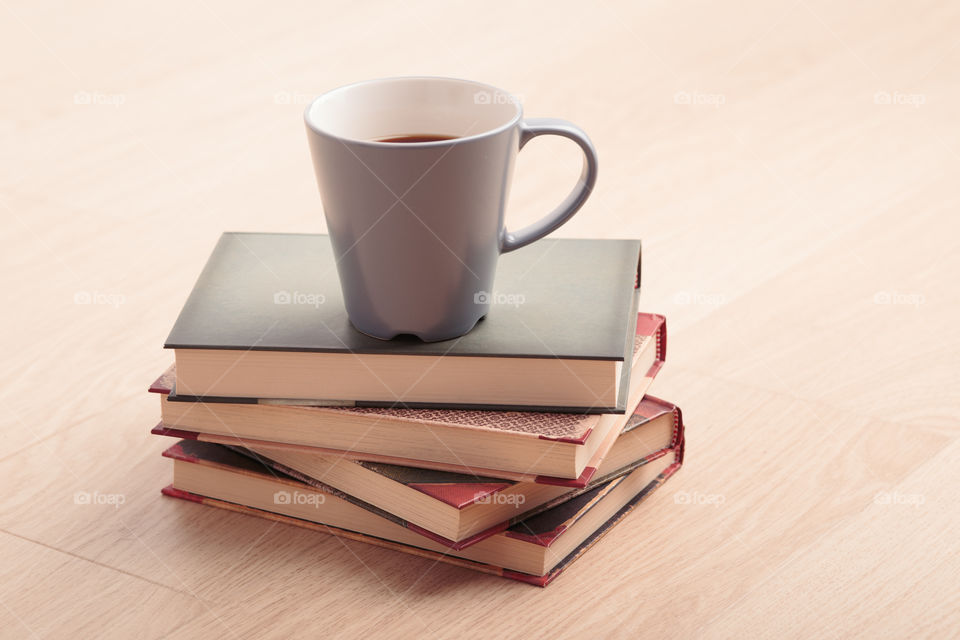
316 128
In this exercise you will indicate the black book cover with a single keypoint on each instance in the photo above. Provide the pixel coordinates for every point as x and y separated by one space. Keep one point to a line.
557 298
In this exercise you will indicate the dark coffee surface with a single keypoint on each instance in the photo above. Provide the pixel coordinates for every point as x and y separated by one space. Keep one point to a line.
416 137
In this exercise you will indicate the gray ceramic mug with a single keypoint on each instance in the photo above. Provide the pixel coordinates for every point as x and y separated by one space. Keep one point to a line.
417 228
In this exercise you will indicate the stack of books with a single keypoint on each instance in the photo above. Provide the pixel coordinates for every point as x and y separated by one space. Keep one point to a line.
510 450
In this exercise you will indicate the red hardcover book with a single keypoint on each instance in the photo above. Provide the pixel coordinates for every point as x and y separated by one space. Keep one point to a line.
535 550
458 510
524 446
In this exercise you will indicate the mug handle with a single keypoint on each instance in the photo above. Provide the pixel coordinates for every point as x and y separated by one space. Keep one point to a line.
530 129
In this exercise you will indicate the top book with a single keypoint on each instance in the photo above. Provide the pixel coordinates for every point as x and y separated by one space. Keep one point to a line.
266 320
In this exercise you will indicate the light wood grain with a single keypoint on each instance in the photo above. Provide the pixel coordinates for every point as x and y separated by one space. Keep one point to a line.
800 235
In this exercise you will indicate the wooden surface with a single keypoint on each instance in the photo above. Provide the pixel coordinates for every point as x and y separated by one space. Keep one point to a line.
791 166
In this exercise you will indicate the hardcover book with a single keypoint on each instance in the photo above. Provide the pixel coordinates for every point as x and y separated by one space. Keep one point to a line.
534 550
266 320
457 509
525 446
